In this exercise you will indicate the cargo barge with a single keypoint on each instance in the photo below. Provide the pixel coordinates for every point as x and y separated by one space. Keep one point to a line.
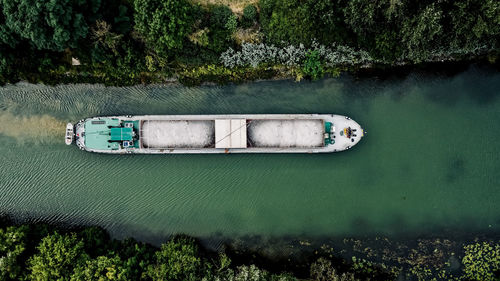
183 134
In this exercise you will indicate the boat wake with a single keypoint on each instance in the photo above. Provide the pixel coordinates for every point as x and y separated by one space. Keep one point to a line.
33 128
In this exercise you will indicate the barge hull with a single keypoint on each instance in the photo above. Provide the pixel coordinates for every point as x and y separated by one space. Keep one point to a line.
212 134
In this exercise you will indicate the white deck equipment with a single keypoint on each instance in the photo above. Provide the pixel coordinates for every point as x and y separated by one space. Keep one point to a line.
230 133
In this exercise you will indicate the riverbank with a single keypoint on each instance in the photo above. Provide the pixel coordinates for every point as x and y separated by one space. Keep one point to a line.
114 43
89 252
220 75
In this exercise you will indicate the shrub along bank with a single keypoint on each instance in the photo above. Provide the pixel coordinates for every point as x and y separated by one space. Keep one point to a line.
125 42
44 252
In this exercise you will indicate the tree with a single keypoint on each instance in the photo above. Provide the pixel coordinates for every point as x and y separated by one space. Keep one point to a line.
178 259
100 269
58 255
220 15
377 26
7 37
421 31
302 21
222 25
163 23
49 24
286 21
475 24
12 247
137 257
249 16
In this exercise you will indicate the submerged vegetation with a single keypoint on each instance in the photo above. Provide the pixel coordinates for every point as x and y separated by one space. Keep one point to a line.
44 252
143 41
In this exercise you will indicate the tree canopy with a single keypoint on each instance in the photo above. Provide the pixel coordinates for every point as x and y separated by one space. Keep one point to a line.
58 255
126 42
291 21
100 269
7 37
421 31
49 24
12 246
177 260
163 23
475 24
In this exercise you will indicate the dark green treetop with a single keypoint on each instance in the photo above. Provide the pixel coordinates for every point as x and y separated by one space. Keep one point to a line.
58 255
163 23
49 24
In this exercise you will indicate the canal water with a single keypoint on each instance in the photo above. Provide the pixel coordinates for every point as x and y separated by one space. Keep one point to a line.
428 164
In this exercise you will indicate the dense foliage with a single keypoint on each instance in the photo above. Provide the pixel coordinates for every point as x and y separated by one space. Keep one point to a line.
57 257
389 30
302 21
291 55
43 252
143 41
12 246
47 24
312 65
163 23
249 16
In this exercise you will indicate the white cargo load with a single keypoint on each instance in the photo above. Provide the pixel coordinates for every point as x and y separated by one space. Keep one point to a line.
287 133
177 133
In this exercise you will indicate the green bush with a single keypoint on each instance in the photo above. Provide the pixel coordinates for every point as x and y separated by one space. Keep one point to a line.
163 23
220 15
286 21
222 25
312 65
302 21
249 16
231 23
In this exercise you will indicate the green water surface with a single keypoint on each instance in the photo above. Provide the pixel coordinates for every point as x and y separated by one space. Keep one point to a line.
429 162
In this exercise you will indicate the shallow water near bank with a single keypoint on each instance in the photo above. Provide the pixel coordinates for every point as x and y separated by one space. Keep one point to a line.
428 164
